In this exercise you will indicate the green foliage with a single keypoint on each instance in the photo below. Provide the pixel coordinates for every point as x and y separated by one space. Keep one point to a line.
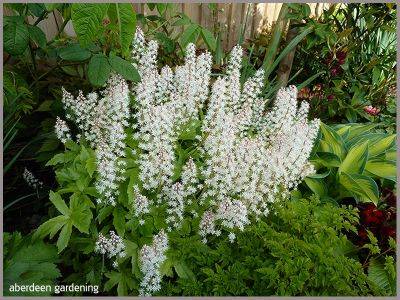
382 272
353 48
87 20
299 250
354 157
27 262
16 35
98 70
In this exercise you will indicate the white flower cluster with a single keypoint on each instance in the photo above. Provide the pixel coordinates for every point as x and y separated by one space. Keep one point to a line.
31 180
253 155
151 258
189 178
102 121
165 102
112 247
141 204
62 130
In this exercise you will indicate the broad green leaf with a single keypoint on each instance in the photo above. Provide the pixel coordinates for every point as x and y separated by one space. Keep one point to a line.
37 8
334 141
327 159
124 15
64 237
382 145
119 220
98 70
209 39
81 214
183 271
15 35
355 160
37 35
190 35
382 168
357 129
125 68
74 52
316 185
30 262
87 20
104 213
91 166
364 188
59 203
166 268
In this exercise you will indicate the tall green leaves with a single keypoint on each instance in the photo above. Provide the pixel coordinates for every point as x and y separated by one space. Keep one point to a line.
87 20
124 16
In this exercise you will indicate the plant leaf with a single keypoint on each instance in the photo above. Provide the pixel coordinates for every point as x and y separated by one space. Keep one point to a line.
16 35
364 188
125 68
74 52
87 20
355 160
98 70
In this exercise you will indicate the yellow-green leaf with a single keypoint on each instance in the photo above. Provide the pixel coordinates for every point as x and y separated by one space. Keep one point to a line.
364 188
382 168
355 160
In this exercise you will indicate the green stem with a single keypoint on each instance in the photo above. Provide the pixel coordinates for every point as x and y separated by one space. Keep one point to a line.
17 200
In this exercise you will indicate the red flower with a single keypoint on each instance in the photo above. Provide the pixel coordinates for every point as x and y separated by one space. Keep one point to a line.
388 231
336 70
330 97
329 58
371 215
362 233
341 55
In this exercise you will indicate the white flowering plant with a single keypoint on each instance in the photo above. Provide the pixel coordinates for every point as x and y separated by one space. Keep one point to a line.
179 154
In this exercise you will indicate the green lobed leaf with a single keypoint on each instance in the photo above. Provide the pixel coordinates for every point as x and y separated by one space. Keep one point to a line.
59 203
64 237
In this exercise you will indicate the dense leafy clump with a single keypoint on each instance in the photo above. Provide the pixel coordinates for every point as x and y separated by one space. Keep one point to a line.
300 249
